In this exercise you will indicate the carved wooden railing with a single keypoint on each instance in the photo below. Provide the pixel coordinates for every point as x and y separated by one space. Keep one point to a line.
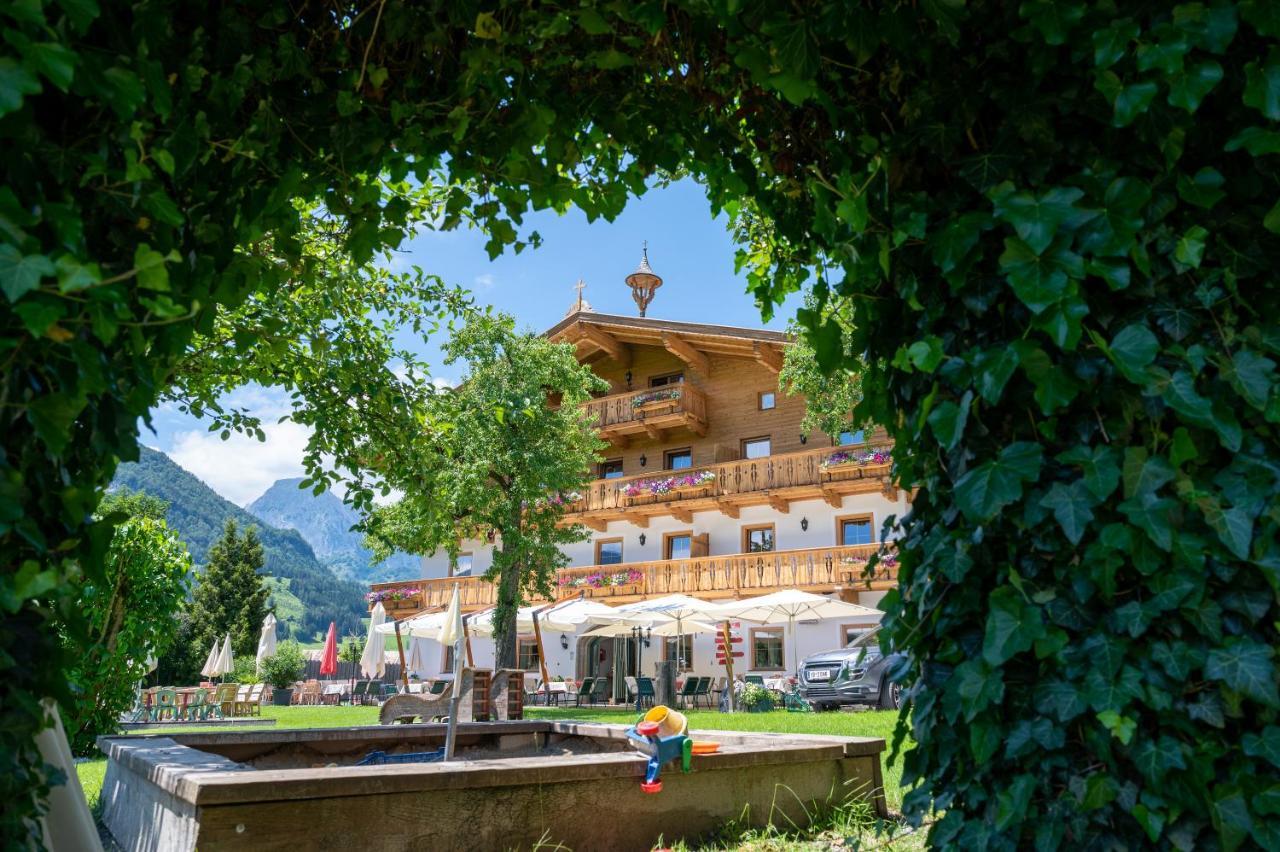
743 574
620 409
734 477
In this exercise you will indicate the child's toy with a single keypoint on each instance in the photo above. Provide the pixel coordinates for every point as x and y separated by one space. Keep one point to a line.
649 736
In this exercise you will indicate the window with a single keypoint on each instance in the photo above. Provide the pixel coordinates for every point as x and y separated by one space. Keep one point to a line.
852 438
678 459
677 545
855 530
680 650
526 653
766 648
668 379
849 632
756 448
767 400
447 668
757 539
464 565
609 551
611 469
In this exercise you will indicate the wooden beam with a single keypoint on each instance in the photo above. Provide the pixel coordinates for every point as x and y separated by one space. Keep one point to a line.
682 349
698 427
768 356
780 504
641 521
619 440
684 516
833 499
594 523
728 509
607 343
653 432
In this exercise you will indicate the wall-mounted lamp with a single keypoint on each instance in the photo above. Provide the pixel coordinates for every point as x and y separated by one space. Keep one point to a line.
564 642
628 378
804 524
804 439
643 460
642 539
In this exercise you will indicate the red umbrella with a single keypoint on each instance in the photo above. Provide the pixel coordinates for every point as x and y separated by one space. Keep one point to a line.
329 662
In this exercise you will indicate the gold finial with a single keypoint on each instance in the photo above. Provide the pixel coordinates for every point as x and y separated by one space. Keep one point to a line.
579 304
644 282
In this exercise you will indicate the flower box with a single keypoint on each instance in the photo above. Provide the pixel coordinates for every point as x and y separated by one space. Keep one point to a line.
655 399
852 464
668 485
615 591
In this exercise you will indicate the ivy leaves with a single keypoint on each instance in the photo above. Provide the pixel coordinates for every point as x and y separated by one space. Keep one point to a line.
991 486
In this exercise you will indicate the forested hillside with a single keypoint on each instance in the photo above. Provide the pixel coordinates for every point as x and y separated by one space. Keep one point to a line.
198 514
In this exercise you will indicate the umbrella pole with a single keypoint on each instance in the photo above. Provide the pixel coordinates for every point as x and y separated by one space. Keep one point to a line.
542 660
728 661
404 670
466 636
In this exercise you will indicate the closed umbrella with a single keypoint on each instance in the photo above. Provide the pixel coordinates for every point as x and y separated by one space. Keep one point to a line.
373 662
787 606
451 634
416 664
267 640
226 663
211 661
329 660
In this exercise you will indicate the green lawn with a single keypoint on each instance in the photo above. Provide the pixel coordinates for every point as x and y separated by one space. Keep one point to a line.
872 723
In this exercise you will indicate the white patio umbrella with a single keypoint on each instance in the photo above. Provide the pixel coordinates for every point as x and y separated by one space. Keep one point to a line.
676 607
226 662
211 661
451 634
416 663
373 662
787 606
669 628
267 640
420 626
481 624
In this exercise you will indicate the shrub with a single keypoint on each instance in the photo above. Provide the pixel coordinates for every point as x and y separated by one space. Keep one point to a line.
283 667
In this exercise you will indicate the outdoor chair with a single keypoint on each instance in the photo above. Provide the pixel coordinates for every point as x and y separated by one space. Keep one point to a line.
688 691
647 694
226 698
387 690
584 691
310 692
600 691
256 693
166 704
242 700
197 706
704 691
359 692
758 680
632 689
438 687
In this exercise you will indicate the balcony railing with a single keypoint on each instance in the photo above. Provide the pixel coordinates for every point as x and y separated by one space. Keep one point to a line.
663 407
789 470
818 569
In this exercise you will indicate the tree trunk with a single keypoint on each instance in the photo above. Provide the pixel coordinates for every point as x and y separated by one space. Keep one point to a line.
504 620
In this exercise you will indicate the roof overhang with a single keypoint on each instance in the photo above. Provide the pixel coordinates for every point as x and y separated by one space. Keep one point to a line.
597 334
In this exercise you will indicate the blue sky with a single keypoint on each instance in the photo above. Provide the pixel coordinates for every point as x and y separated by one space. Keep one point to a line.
691 250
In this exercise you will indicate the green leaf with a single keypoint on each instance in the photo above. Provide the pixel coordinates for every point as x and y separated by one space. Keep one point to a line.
55 61
1111 43
1190 87
20 274
1099 466
986 489
152 274
798 50
1203 190
948 420
609 60
1053 18
1245 666
15 82
1132 350
1121 727
1262 85
1036 220
1234 526
993 370
74 276
1115 271
1013 800
1182 396
1037 281
950 246
593 23
1190 248
1099 791
37 315
927 354
161 206
1054 387
1059 699
1230 816
1127 102
164 160
977 687
1265 745
1272 220
1253 376
52 415
1257 141
1072 507
984 741
487 26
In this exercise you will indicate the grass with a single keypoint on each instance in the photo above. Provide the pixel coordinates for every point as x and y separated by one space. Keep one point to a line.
844 826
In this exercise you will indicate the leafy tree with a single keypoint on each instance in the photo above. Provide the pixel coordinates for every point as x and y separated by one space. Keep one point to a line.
831 396
230 595
1053 224
129 616
493 451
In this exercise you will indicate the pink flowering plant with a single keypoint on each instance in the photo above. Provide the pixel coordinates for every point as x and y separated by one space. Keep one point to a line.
564 498
667 484
396 594
599 579
845 458
642 399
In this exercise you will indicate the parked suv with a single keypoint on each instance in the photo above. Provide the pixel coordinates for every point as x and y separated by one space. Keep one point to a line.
855 674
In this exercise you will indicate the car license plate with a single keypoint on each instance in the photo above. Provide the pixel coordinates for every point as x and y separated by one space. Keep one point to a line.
820 674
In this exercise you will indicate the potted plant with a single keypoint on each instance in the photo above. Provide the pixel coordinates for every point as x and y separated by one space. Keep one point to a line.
281 670
756 698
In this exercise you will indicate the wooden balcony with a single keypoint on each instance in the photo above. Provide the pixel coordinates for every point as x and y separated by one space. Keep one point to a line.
652 412
819 569
727 487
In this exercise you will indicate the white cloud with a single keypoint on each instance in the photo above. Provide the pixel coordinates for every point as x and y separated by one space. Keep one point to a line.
241 467
442 383
484 282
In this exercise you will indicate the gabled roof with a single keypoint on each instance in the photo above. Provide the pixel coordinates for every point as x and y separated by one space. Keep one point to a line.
596 333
